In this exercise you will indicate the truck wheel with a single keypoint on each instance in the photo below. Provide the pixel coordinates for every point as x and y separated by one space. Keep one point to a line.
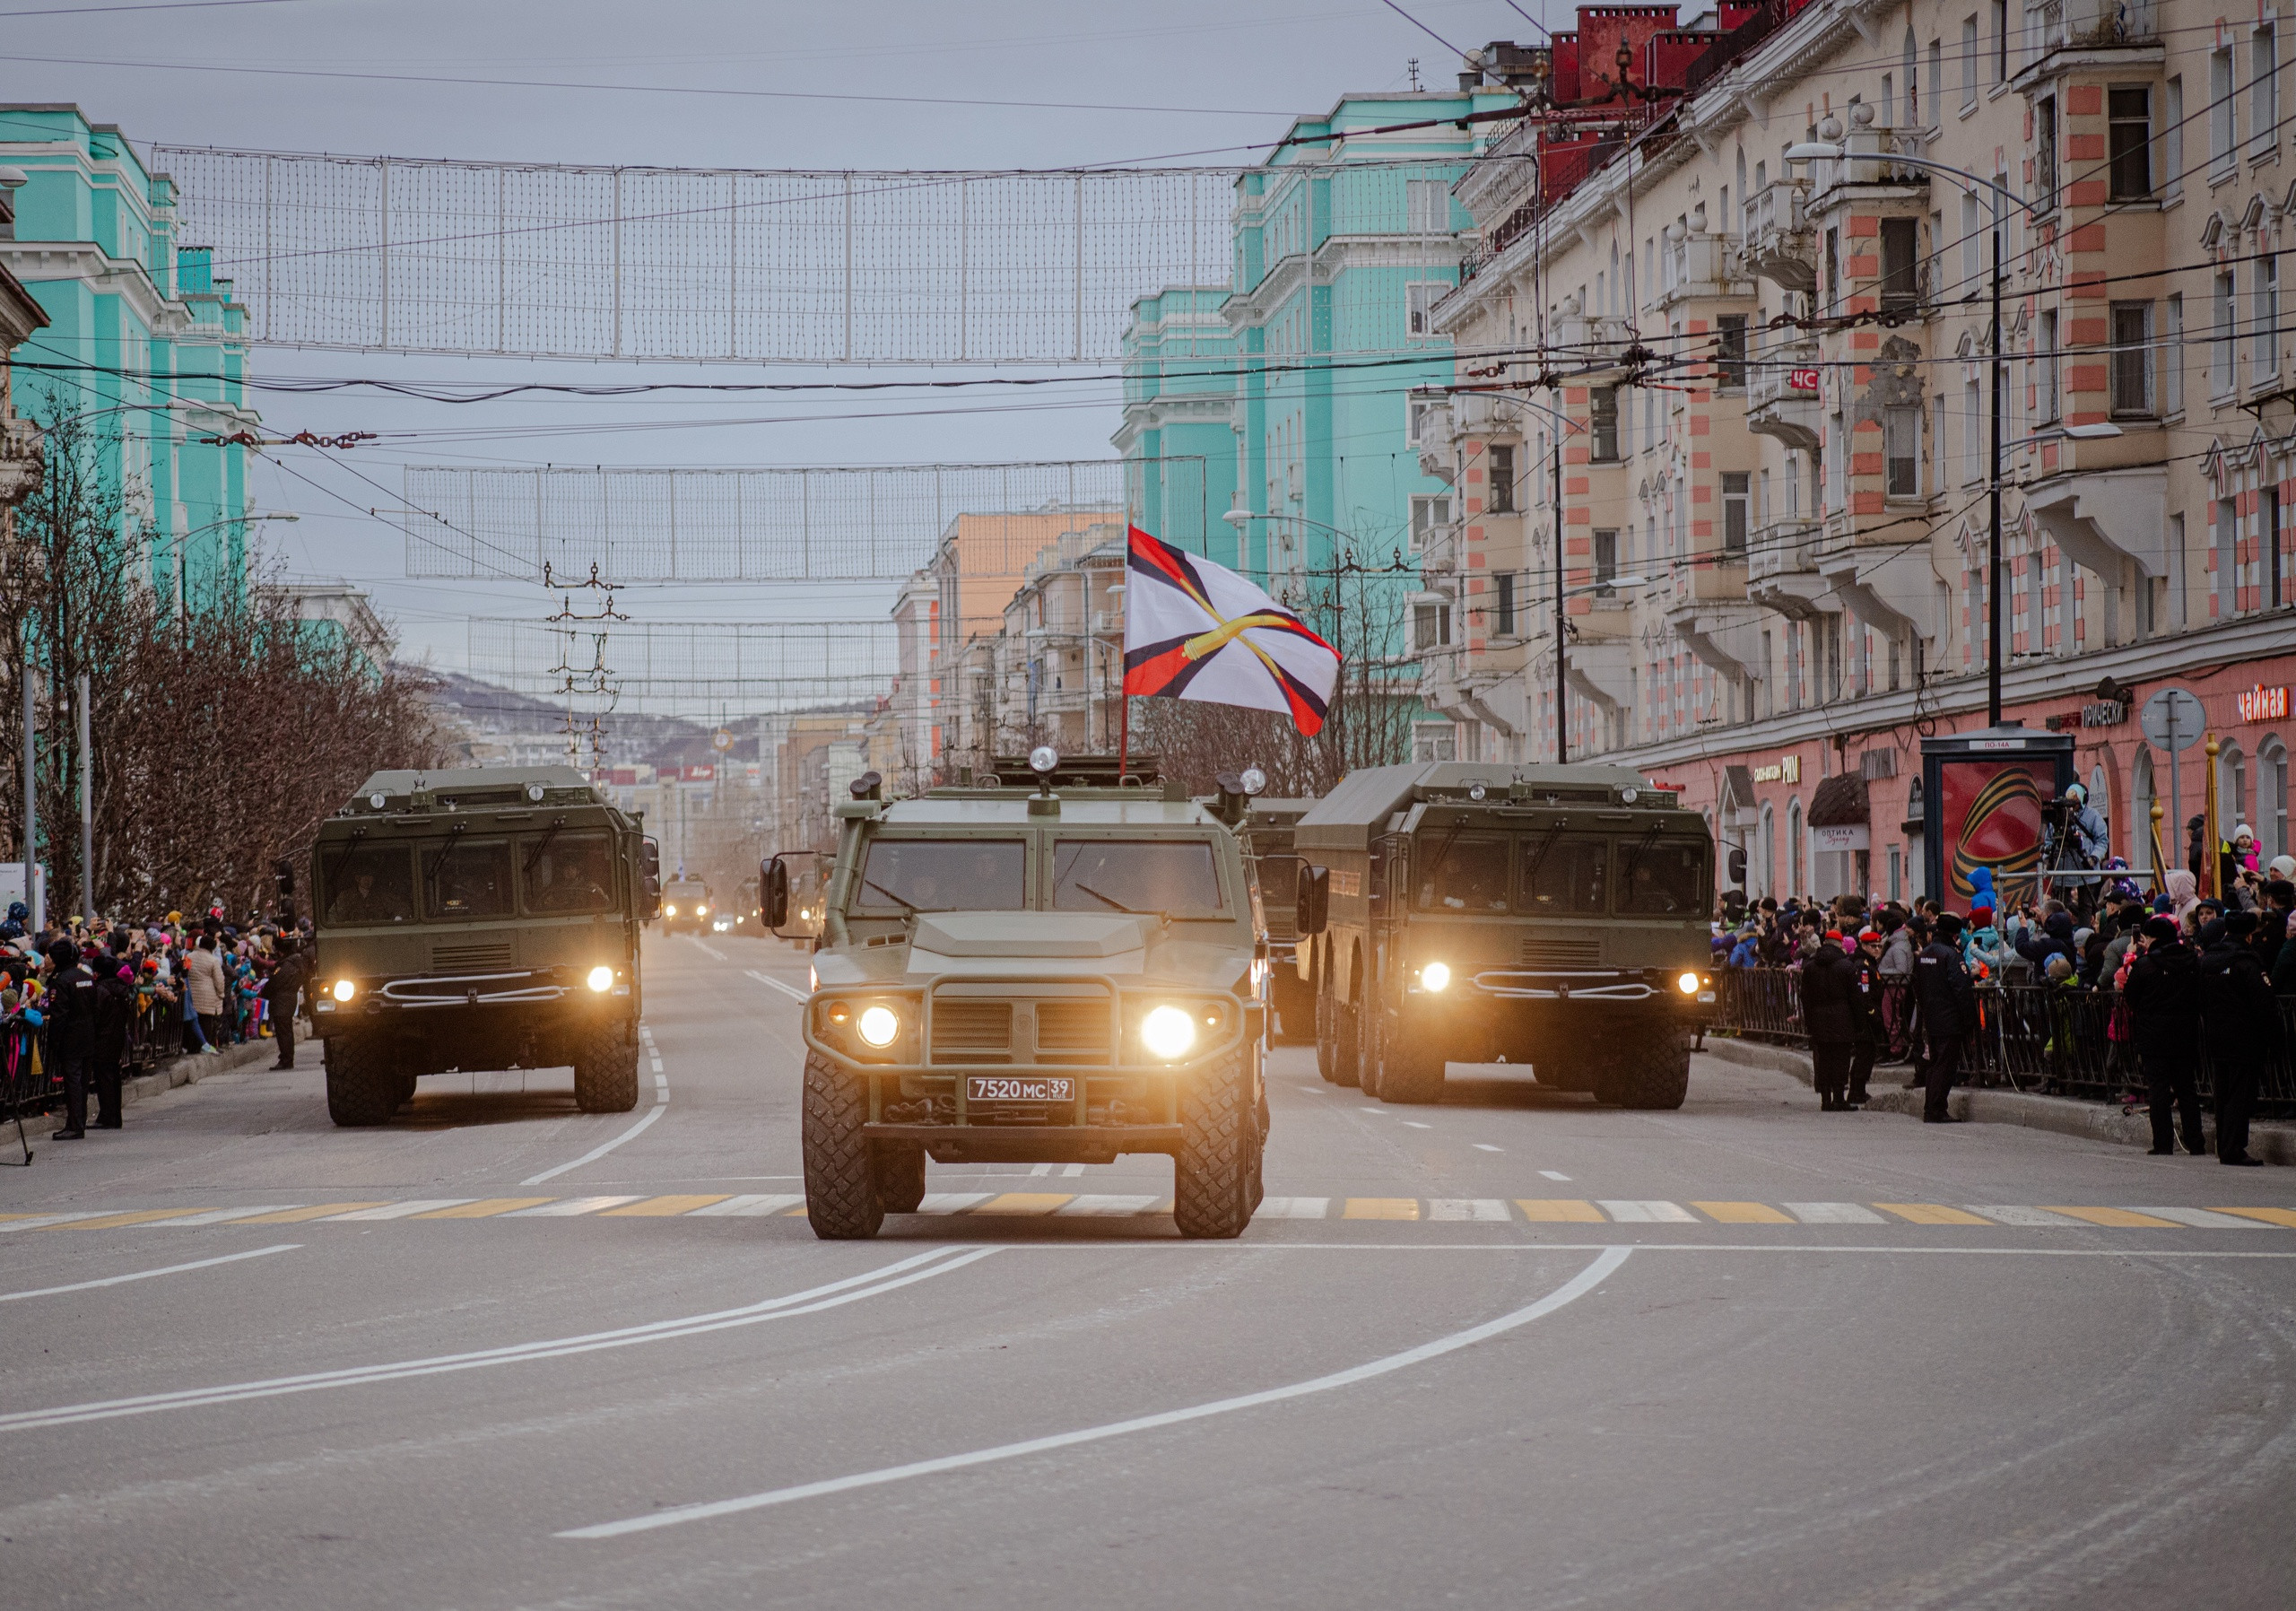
1326 1021
1346 1064
1411 1068
406 1091
898 1167
1260 1149
1650 1071
840 1181
362 1085
1212 1173
605 1071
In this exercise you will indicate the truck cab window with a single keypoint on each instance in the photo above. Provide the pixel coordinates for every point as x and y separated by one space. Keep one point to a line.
1569 875
372 884
468 879
942 874
1662 880
572 873
1135 875
1467 875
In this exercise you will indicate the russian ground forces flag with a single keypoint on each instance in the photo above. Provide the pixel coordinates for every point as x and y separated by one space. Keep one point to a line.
1196 630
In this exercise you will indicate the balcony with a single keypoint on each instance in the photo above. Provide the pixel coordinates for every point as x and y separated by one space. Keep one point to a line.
21 458
1775 405
1776 242
1589 345
1702 266
1782 568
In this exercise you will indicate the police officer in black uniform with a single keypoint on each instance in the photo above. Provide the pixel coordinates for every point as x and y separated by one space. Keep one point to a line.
1946 1003
72 1033
2243 1026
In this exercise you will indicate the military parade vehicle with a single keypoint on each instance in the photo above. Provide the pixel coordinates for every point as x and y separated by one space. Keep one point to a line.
1008 974
685 906
478 918
1266 832
1549 915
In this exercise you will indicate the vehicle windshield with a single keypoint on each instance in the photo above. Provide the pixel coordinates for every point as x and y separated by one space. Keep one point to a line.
468 878
368 883
1566 877
1661 879
1279 878
942 874
1176 876
569 872
1459 874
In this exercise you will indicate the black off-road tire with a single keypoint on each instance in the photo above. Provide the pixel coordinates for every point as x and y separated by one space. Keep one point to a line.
1650 1070
362 1081
1212 1172
841 1199
407 1083
606 1070
1327 1030
1259 1147
1411 1068
1346 1045
899 1175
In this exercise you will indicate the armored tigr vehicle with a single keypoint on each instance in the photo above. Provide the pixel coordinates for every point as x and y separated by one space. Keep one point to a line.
480 918
685 906
1004 976
1266 833
1548 915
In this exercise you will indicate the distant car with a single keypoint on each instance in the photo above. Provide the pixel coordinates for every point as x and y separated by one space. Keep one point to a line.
686 905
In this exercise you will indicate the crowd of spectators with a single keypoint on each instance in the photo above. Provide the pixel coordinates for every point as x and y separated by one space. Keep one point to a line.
80 1005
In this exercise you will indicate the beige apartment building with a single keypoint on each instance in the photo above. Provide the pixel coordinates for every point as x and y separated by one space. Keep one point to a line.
1767 374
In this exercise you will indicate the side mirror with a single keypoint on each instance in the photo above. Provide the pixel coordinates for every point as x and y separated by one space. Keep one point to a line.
649 880
1312 909
283 876
773 878
1738 868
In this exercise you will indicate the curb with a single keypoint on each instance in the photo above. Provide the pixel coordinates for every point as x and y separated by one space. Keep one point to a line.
192 1069
2060 1115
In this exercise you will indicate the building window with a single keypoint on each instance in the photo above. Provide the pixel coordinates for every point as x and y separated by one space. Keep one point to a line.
2219 112
1434 741
2045 154
2129 141
1503 478
2264 302
2000 41
2264 89
2268 529
1420 297
2172 138
1937 102
1901 426
2228 550
1968 63
1431 626
1834 270
1606 563
1900 264
1505 583
1422 414
1730 352
1735 486
2132 357
1602 408
1794 847
1428 516
2220 348
2045 389
1972 433
2172 346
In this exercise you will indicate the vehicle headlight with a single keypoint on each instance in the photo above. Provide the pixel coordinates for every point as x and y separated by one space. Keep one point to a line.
701 912
877 1026
1435 976
1687 983
1167 1032
601 978
343 989
671 911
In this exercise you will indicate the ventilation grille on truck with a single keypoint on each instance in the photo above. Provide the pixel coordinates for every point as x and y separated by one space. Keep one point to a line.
1073 1031
971 1031
469 959
1539 952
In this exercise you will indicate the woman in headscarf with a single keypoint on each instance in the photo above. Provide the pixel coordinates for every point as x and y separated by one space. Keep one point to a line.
2184 894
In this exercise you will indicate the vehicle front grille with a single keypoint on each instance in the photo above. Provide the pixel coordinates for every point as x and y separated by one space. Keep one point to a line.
454 959
1538 952
1073 1031
971 1031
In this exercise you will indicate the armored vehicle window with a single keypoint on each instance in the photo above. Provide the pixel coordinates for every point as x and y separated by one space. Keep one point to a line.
1661 878
942 874
1567 876
468 880
1279 879
369 884
1464 874
1133 875
569 872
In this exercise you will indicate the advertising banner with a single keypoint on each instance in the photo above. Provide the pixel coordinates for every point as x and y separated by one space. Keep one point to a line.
1988 814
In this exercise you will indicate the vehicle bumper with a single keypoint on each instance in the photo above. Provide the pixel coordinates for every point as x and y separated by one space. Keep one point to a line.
457 1005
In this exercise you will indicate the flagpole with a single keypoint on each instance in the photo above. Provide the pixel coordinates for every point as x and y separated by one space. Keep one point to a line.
1124 731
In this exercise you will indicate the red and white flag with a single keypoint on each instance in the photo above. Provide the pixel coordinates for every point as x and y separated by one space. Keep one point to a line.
1196 630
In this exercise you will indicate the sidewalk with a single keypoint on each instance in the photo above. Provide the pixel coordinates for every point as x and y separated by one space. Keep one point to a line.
191 1069
2275 1143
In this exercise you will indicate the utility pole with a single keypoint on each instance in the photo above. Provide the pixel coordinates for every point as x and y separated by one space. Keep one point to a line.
1993 546
1561 733
31 786
87 809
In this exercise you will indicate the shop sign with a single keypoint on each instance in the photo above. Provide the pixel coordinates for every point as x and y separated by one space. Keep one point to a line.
2104 713
1802 380
1847 836
2264 704
1786 769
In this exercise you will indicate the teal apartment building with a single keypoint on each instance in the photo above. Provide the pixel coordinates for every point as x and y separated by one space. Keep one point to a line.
142 342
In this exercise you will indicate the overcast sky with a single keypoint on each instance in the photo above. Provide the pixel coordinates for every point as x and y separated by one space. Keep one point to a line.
1248 64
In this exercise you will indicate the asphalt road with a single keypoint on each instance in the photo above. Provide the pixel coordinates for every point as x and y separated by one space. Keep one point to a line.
1511 1350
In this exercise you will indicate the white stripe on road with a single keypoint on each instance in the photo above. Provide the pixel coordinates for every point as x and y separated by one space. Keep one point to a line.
951 1202
1645 1214
1554 1174
1834 1214
172 1270
752 1207
660 1107
812 1300
2012 1214
1577 1287
2205 1218
1107 1206
568 1209
1293 1208
220 1216
791 991
1484 1209
1485 1146
712 950
400 1210
40 1222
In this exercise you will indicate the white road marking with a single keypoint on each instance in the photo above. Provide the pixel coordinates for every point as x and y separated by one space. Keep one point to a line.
1554 1174
41 1221
570 1208
1833 1214
1107 1206
812 1300
1042 1169
396 1210
712 950
172 1270
661 1080
1485 1146
752 1207
1645 1214
1577 1287
1484 1209
2205 1218
218 1216
1368 1109
1415 1124
951 1202
660 1107
2011 1214
1312 1090
791 991
1293 1208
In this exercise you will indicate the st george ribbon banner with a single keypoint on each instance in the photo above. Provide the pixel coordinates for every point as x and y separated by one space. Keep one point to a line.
1196 630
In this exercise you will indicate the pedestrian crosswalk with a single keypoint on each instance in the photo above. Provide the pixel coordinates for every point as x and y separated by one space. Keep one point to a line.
1024 1205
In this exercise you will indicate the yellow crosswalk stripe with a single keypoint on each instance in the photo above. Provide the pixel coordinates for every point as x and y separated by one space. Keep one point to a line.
1381 1209
1932 1213
1744 1214
1023 1202
1561 1210
107 1222
661 1207
2271 1216
296 1216
484 1208
2120 1219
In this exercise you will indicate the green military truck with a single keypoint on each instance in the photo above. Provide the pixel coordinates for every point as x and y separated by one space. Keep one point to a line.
1266 832
685 906
1015 975
1549 915
478 918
